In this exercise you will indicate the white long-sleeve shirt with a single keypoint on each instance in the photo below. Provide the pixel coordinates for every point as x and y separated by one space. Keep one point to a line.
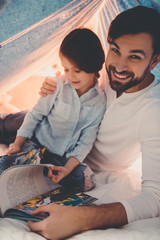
130 129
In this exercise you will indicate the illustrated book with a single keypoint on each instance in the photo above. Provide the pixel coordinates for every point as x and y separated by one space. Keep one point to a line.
24 187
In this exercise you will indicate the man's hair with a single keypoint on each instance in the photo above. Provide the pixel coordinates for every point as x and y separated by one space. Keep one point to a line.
83 47
137 20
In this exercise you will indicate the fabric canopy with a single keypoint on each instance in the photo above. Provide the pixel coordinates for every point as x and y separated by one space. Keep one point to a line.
31 31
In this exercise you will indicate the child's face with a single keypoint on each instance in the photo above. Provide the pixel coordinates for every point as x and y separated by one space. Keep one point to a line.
79 79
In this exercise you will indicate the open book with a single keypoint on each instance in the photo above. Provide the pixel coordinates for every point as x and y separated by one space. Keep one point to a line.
58 195
24 187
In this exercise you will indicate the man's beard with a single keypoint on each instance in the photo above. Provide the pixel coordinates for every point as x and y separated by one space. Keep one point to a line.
122 87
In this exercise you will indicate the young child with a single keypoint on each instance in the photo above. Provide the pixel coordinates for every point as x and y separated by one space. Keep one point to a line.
66 123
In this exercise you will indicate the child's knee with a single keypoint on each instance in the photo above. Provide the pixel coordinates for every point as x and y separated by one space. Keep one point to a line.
89 179
82 179
86 178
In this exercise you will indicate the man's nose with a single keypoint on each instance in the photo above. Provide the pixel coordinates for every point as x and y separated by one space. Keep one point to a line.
121 65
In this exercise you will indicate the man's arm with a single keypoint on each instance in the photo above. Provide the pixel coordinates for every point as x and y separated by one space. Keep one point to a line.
65 221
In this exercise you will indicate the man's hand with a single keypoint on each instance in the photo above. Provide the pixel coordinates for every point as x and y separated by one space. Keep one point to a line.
61 223
57 173
13 148
48 87
65 221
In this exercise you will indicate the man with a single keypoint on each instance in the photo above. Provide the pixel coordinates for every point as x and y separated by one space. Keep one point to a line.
130 128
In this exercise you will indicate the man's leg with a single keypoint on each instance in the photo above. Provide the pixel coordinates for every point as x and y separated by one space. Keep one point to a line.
9 124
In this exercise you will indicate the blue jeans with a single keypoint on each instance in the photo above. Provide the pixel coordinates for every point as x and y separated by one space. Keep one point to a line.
80 179
9 124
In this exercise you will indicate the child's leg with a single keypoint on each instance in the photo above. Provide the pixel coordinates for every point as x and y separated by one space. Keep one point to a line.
26 157
80 179
29 145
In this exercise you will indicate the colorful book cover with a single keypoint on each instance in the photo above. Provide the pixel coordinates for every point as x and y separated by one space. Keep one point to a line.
58 196
23 158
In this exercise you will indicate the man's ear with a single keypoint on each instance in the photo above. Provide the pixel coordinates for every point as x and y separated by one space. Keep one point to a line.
155 60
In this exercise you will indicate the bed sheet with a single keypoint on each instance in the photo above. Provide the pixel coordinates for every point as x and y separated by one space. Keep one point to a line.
148 229
109 187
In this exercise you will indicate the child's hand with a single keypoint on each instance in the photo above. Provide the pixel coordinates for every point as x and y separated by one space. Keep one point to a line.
58 175
13 148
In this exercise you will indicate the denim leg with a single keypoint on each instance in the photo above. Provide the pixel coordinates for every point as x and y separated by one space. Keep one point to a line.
51 158
80 179
9 124
54 159
29 145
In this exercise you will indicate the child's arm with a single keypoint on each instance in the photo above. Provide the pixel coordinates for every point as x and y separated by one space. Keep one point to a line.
16 146
61 172
37 114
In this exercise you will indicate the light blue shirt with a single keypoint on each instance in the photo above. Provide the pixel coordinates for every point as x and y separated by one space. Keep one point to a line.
65 123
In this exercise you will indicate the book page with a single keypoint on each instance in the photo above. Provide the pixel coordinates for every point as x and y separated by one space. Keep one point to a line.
21 183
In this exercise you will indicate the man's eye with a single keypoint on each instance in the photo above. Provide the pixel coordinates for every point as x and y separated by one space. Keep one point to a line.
135 57
77 71
65 70
115 50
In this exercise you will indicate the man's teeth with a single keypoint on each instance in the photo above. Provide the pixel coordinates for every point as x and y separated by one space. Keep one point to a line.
120 76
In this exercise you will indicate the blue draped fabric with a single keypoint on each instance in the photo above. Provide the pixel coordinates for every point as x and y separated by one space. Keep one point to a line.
23 14
31 31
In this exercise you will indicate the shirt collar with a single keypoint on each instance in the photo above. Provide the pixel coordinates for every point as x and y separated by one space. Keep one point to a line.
97 87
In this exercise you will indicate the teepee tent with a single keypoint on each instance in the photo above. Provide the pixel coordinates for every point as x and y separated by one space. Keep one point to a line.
31 32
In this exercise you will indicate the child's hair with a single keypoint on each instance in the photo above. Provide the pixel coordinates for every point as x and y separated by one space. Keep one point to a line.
82 47
137 20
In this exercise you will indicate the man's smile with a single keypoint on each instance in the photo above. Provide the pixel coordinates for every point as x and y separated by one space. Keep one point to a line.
120 76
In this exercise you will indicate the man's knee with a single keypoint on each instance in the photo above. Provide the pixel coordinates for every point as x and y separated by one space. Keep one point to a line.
9 124
12 122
